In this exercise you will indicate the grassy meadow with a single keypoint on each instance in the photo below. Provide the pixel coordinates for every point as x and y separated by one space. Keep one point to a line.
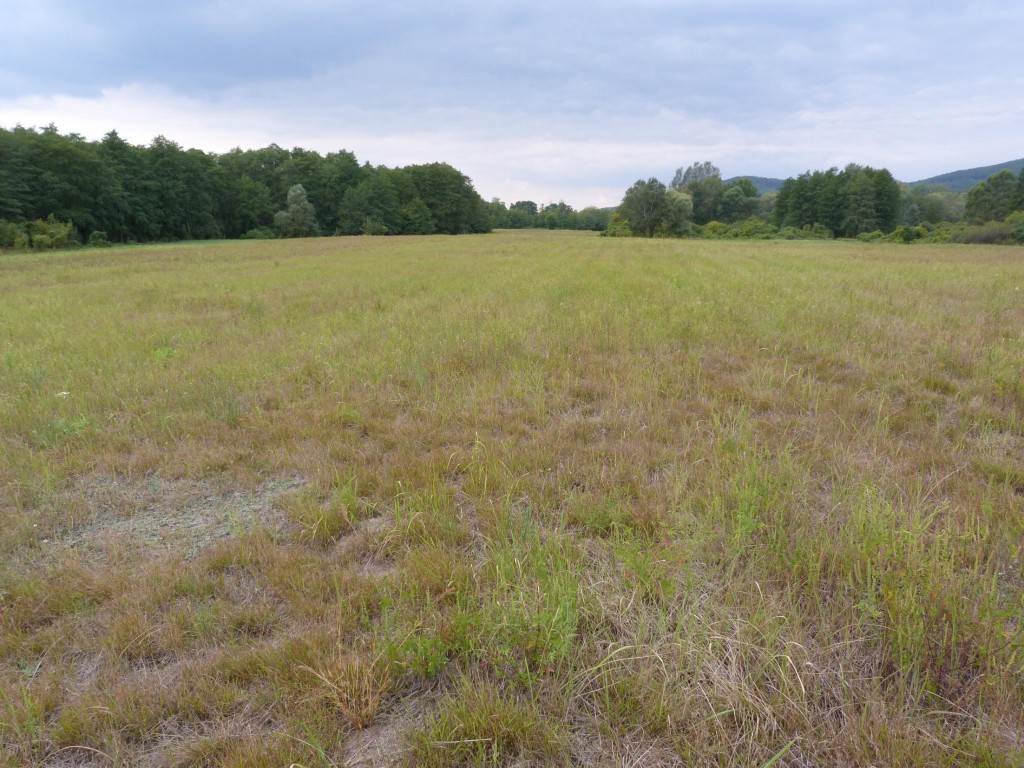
526 498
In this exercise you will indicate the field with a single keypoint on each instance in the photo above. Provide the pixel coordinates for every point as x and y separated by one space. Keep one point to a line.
521 498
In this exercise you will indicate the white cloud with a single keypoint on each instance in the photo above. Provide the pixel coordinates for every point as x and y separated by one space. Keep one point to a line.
569 101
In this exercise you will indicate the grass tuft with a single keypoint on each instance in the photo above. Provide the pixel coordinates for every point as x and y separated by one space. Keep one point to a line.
357 683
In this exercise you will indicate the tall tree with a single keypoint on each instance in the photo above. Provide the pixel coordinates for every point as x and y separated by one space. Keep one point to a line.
993 199
848 202
298 219
644 207
706 194
454 205
697 172
372 207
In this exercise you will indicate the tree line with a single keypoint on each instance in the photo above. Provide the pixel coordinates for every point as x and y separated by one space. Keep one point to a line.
114 191
57 189
526 214
855 202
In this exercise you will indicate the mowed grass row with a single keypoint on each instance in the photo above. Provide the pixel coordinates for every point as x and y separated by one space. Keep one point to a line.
519 498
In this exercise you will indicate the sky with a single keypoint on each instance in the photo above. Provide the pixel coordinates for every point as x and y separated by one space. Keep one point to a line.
544 101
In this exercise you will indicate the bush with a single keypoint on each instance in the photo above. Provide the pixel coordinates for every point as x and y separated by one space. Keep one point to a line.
754 228
899 235
1015 221
50 233
617 227
714 230
944 232
372 226
807 232
259 233
992 233
42 234
98 239
12 235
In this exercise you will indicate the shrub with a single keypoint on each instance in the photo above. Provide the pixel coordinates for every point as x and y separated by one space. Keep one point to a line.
98 239
1015 221
12 235
50 233
808 232
714 230
992 233
259 233
42 234
754 228
617 227
372 226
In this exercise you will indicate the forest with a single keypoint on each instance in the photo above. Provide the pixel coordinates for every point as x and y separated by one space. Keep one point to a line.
856 202
114 191
59 190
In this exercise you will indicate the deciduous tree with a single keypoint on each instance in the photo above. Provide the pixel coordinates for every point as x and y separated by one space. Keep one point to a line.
697 172
298 219
645 206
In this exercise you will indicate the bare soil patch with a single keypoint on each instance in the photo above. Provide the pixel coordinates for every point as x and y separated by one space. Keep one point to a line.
158 514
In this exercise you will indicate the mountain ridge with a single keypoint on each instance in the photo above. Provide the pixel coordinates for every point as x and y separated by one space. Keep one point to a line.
957 181
961 181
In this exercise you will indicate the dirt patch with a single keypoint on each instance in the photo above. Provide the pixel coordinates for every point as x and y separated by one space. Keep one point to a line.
154 513
364 545
589 747
382 743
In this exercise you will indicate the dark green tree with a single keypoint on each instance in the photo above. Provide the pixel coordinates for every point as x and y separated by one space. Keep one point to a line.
558 215
522 214
847 203
738 201
993 199
678 213
860 213
416 218
706 194
454 205
15 175
372 207
594 219
644 207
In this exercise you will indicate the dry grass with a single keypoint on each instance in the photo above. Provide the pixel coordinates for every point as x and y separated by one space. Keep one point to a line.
357 684
570 500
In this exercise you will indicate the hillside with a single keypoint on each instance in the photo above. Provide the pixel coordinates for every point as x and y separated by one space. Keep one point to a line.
764 184
958 181
961 181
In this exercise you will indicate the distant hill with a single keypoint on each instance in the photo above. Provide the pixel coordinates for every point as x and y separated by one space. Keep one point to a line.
961 181
763 183
958 181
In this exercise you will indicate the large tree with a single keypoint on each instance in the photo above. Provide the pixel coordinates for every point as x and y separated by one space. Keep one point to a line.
644 207
848 202
454 205
993 199
298 219
373 207
697 172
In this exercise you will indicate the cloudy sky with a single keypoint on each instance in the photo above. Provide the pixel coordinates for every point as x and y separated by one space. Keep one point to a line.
536 100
